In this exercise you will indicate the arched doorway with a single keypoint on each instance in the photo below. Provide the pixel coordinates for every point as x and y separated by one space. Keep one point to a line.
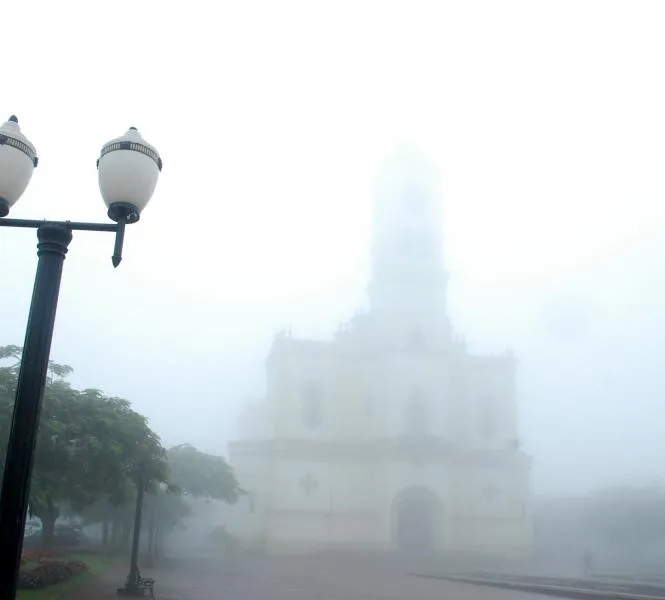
417 521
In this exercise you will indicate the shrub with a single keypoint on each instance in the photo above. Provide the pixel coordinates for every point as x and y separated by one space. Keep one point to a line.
49 572
223 538
28 556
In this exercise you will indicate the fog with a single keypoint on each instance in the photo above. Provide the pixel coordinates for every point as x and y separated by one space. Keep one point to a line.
545 128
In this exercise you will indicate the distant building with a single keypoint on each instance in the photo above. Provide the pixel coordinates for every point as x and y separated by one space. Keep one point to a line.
392 436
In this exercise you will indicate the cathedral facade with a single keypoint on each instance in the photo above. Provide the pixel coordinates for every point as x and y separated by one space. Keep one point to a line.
393 435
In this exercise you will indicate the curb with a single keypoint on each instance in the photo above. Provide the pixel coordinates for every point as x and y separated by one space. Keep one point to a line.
545 589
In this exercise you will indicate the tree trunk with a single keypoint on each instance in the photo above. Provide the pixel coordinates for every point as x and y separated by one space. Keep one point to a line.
105 532
114 532
126 536
48 516
151 537
159 538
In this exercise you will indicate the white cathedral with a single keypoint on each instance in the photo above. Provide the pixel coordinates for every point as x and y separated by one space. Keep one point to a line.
391 436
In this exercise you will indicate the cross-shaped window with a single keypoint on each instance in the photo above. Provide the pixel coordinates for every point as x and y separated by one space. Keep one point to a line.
308 484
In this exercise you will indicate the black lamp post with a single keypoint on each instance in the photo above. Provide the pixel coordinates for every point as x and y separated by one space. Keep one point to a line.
135 584
132 585
128 170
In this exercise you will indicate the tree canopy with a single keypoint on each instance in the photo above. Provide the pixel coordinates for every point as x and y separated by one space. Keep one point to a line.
202 475
91 447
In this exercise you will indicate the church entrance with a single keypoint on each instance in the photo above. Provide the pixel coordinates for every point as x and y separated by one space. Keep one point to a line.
416 521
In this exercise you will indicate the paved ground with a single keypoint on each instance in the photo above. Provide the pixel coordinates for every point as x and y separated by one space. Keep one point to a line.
296 578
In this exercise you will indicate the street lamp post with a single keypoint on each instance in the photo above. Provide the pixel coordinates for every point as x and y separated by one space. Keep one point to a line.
132 585
128 170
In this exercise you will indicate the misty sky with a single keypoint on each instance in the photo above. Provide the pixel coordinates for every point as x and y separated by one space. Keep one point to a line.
546 119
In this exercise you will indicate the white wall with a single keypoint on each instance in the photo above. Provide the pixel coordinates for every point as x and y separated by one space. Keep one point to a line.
252 467
492 379
364 400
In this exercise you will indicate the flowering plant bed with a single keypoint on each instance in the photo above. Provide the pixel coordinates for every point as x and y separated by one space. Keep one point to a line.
48 571
36 556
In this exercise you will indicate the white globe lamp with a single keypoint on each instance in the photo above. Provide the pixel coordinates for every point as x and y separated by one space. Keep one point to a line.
128 170
18 160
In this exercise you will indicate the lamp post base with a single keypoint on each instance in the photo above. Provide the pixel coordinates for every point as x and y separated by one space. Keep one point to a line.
136 586
132 591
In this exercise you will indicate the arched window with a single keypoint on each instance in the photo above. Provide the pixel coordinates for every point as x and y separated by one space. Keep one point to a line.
416 340
416 415
487 418
312 405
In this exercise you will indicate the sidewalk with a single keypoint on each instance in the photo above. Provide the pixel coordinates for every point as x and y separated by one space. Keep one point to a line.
99 586
288 578
171 583
104 586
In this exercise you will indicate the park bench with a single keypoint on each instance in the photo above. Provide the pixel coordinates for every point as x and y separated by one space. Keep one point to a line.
147 583
138 587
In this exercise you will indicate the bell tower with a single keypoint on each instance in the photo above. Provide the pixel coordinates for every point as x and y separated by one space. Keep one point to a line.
407 291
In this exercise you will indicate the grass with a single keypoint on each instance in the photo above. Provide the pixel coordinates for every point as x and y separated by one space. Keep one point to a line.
97 564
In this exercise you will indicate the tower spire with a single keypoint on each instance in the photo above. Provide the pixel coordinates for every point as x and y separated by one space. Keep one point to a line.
407 270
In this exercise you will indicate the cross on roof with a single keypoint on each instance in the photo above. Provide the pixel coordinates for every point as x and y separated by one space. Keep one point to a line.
308 484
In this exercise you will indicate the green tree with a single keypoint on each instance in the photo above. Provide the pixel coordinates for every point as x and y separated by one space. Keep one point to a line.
90 446
191 473
202 475
10 356
165 508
